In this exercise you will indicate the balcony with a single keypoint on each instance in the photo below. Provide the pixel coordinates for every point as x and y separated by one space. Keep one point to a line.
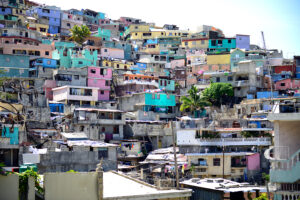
283 170
242 83
265 141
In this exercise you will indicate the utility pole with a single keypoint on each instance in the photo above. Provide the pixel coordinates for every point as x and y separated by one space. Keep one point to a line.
223 160
175 157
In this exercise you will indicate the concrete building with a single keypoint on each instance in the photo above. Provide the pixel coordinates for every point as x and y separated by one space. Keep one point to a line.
50 13
284 156
68 21
99 124
14 65
243 42
76 95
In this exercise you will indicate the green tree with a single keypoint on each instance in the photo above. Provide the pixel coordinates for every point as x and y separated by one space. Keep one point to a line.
218 93
193 102
80 33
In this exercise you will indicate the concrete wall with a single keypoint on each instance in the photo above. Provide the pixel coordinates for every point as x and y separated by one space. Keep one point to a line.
73 186
9 187
218 59
287 136
76 160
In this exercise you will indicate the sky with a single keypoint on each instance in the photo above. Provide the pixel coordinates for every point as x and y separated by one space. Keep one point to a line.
278 19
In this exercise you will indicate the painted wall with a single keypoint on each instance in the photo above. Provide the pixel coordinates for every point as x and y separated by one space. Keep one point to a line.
160 99
218 59
195 43
287 84
63 93
112 53
9 187
168 85
236 56
226 44
139 68
5 11
71 186
253 162
13 135
177 63
46 63
243 42
14 66
284 68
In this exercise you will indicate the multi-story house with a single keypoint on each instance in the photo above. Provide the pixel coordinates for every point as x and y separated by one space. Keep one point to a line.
221 153
70 58
14 65
68 21
159 105
221 44
99 124
7 18
285 155
51 13
76 95
20 45
243 41
134 83
101 78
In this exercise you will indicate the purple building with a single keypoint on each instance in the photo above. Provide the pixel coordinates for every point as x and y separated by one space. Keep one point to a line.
243 41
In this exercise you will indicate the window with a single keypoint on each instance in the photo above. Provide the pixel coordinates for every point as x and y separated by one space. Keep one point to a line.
107 83
229 41
218 79
46 53
219 41
105 50
147 34
135 34
93 71
162 33
68 24
186 43
80 62
81 128
102 153
202 42
158 96
202 162
229 78
76 77
217 162
213 42
116 130
102 92
282 84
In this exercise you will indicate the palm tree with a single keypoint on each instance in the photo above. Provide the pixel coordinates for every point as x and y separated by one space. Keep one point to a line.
80 33
193 102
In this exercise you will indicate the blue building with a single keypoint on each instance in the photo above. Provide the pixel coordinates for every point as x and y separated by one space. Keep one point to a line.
139 68
14 65
52 13
5 11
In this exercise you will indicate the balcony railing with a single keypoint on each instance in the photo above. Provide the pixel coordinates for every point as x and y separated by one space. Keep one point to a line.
241 83
283 170
265 141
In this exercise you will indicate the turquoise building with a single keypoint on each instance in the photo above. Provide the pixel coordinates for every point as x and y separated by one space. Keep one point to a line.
14 65
69 58
221 44
236 55
159 102
104 34
168 85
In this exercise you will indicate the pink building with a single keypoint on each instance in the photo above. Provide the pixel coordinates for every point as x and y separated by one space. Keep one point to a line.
76 95
112 53
100 77
48 85
287 84
177 63
25 46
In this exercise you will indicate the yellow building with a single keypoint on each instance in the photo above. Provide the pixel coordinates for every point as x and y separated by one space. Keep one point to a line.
207 165
218 59
117 64
137 28
198 43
